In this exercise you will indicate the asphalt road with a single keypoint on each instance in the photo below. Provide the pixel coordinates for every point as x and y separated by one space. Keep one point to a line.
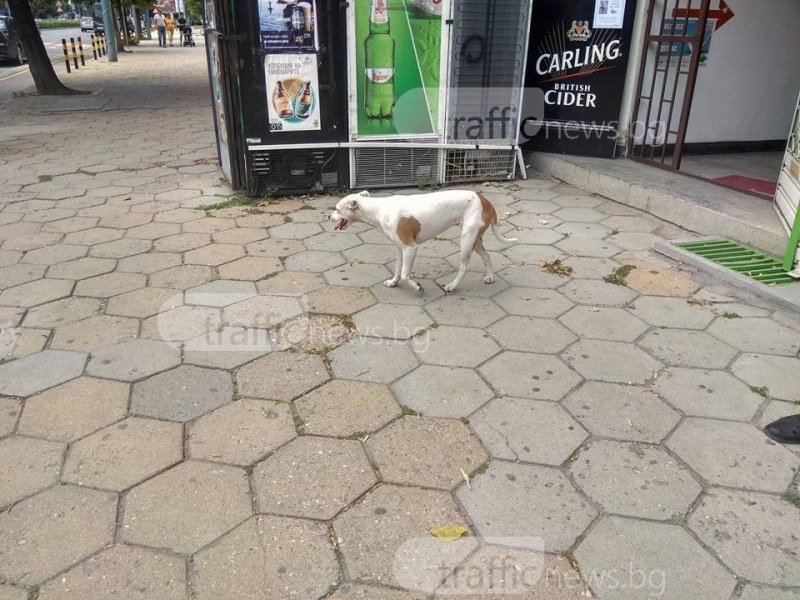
14 78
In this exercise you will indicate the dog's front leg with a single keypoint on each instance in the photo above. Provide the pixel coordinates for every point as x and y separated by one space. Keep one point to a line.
409 254
398 264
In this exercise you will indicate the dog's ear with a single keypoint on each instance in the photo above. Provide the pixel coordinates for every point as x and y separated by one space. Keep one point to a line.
352 204
364 193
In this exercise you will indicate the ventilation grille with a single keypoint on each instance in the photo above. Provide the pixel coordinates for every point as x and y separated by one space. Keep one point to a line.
296 171
479 165
392 167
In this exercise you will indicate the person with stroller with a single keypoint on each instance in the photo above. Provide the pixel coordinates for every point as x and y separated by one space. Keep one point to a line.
181 26
161 27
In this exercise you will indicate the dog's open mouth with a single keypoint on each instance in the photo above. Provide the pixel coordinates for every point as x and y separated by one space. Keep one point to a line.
340 224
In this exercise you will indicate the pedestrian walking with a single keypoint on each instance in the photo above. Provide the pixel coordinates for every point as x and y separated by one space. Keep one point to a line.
181 26
161 26
170 23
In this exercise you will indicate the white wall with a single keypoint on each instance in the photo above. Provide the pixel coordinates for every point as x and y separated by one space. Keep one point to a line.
748 89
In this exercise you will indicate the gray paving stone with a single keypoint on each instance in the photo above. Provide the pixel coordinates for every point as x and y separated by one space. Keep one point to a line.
378 254
588 247
650 559
465 311
244 565
240 433
111 284
10 410
220 292
186 507
290 284
95 332
153 231
584 230
295 231
359 275
392 321
597 293
40 371
613 324
29 465
214 254
343 408
250 268
527 431
756 547
763 336
714 394
528 334
144 302
281 376
262 312
585 267
43 535
622 411
426 452
12 593
274 248
57 253
752 460
14 275
757 592
375 360
332 241
430 291
614 362
454 346
181 278
385 538
573 197
635 480
116 248
532 276
123 454
227 348
312 477
36 292
122 572
241 235
685 347
18 342
348 591
656 278
779 374
671 312
529 506
71 224
533 302
75 409
442 391
182 394
81 268
338 300
536 376
30 241
182 242
149 262
133 360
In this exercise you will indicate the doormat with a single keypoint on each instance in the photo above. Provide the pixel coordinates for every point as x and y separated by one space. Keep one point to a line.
748 184
741 259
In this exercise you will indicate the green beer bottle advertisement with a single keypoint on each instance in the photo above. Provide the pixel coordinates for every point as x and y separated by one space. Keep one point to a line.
398 46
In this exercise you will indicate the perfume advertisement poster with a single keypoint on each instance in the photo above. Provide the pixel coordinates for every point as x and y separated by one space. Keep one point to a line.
292 92
288 25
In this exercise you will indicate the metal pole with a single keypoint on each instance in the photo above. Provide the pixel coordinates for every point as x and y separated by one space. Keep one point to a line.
74 51
80 51
66 54
94 46
108 25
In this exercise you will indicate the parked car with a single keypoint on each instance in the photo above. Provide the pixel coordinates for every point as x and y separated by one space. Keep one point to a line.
10 46
87 24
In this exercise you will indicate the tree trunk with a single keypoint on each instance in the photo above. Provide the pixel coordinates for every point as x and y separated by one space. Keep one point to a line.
44 76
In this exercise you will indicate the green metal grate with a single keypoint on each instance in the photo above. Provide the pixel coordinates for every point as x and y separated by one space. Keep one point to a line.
742 259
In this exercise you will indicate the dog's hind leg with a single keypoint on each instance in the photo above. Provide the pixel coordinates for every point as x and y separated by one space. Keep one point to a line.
398 264
487 261
409 254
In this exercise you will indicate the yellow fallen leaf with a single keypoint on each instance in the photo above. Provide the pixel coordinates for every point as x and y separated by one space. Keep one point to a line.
449 533
543 221
629 422
466 477
526 298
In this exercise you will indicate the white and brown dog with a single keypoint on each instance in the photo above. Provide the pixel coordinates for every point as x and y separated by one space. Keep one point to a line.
411 220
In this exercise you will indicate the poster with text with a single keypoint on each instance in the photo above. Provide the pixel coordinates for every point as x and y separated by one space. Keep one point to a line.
674 53
288 25
398 64
609 14
292 92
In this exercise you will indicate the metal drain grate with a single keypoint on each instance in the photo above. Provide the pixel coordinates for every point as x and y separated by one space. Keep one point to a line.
742 259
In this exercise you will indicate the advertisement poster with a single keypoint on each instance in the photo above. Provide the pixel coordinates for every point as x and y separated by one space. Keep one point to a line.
219 107
609 14
292 92
288 25
683 51
398 48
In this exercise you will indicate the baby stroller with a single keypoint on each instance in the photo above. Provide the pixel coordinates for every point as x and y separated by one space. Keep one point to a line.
188 40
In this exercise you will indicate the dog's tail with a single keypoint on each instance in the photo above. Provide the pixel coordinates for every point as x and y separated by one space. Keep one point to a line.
500 236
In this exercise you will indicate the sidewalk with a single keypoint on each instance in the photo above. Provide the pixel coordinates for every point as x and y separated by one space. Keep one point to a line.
231 406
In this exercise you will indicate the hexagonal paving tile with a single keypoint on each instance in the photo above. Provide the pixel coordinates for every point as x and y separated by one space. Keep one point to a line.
274 248
634 479
442 391
708 394
332 241
9 414
686 347
339 300
62 312
250 268
182 394
575 246
18 274
650 559
281 376
133 360
533 302
58 253
778 374
111 284
214 254
464 311
392 321
532 276
186 507
527 334
314 334
241 235
597 293
751 459
182 242
386 538
43 535
267 557
94 332
614 362
359 275
426 452
529 506
82 268
375 360
761 548
181 323
343 408
118 248
262 312
36 292
349 591
757 335
227 348
40 371
240 433
613 324
153 231
379 254
590 268
28 466
671 312
144 302
757 592
220 293
454 346
524 375
312 477
657 279
527 431
295 231
12 593
290 284
181 278
123 454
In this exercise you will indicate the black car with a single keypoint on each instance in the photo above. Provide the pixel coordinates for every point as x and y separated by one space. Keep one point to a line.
10 46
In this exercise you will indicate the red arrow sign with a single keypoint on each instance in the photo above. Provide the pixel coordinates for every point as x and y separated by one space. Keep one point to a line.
722 15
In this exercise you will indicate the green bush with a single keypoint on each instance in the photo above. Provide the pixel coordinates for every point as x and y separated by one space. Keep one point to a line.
55 24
